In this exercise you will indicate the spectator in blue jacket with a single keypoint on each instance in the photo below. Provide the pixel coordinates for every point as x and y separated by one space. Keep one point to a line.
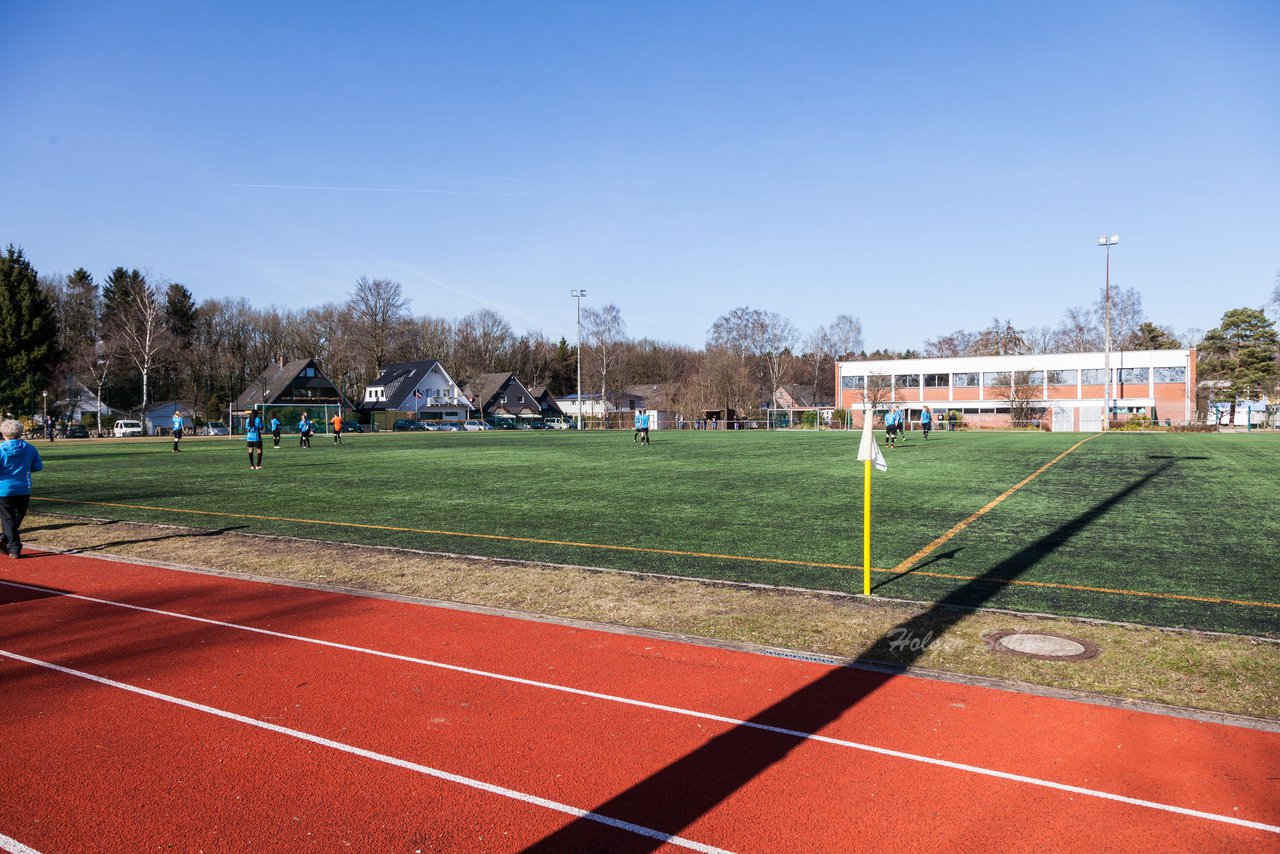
18 460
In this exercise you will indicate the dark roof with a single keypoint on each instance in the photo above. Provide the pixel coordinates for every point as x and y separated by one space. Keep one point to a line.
484 391
271 384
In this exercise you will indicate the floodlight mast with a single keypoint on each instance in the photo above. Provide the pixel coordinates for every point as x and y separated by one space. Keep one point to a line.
1107 242
578 294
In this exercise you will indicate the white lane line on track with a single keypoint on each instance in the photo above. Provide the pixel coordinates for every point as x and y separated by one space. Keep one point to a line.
13 846
799 734
491 788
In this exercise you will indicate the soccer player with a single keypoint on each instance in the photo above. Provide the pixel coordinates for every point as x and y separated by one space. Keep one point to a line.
926 422
644 427
18 459
336 421
275 432
304 432
253 435
636 437
892 420
177 430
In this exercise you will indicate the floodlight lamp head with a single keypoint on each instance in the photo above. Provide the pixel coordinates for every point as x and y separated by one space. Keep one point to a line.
1115 238
1102 240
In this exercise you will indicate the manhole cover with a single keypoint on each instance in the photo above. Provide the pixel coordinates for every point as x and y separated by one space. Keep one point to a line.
1041 645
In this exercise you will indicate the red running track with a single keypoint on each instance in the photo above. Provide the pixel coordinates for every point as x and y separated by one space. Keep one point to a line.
148 708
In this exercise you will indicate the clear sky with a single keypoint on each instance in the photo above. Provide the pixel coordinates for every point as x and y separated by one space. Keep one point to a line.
923 166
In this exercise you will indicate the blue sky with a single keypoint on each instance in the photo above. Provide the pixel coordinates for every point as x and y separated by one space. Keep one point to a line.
924 167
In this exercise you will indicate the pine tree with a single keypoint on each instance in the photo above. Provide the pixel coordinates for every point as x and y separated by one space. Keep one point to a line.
28 334
1242 352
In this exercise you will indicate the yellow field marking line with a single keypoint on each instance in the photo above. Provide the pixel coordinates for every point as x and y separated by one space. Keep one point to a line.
671 552
991 505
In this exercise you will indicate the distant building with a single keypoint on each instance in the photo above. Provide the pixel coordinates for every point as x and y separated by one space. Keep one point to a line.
503 395
298 384
1067 389
418 390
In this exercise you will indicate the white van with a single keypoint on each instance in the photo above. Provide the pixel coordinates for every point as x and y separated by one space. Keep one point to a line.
556 424
125 427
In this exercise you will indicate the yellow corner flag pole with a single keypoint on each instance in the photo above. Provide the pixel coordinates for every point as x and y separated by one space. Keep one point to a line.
869 454
866 531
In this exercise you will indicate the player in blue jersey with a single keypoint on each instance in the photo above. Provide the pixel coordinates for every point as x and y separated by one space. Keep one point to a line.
253 435
275 432
177 430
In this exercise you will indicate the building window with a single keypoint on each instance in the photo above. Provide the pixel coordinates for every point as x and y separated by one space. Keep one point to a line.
308 372
1133 375
1062 377
935 380
995 379
965 380
502 399
1093 376
853 383
906 380
1171 375
1031 377
520 399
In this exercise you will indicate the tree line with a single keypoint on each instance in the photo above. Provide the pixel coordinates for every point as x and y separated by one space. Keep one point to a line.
135 338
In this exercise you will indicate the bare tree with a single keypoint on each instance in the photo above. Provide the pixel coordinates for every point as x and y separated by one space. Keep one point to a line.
958 343
379 311
820 352
138 324
1000 339
1077 333
1025 399
778 337
483 339
604 334
846 336
1126 315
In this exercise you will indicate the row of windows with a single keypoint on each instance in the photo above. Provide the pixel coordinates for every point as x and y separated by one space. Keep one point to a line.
1003 379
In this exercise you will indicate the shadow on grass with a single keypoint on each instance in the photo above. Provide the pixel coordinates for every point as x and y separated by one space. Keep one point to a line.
184 535
676 796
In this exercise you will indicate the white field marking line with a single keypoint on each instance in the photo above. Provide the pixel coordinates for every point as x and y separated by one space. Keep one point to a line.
491 788
13 846
800 734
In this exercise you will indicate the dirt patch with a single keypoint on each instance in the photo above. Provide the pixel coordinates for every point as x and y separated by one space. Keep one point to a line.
1216 673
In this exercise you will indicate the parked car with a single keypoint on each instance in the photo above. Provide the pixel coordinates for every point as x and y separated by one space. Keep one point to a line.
447 426
126 427
216 428
557 424
408 425
77 431
475 425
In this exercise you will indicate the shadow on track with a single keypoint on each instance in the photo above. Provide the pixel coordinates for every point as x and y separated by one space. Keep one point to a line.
674 797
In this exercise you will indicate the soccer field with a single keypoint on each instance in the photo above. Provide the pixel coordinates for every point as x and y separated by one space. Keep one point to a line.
1162 529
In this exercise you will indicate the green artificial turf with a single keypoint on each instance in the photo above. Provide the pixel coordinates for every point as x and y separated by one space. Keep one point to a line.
1186 515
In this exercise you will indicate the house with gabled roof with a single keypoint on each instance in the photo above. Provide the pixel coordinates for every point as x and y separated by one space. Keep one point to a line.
418 390
296 384
546 401
502 394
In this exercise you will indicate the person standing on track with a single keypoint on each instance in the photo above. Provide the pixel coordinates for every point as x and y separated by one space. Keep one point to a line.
304 432
177 430
18 459
336 421
275 432
253 435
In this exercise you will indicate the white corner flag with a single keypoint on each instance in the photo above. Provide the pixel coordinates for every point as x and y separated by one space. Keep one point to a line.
869 450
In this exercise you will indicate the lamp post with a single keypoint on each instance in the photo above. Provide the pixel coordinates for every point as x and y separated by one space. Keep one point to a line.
578 294
1107 242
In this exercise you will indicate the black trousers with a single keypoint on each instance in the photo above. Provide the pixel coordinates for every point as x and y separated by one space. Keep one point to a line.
13 509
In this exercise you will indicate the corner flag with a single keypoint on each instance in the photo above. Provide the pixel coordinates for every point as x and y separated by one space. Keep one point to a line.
869 455
868 450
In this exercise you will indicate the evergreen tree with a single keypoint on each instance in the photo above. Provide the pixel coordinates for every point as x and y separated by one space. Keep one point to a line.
28 333
1242 352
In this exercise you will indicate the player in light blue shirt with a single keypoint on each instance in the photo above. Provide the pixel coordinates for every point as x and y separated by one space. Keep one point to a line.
253 435
177 430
